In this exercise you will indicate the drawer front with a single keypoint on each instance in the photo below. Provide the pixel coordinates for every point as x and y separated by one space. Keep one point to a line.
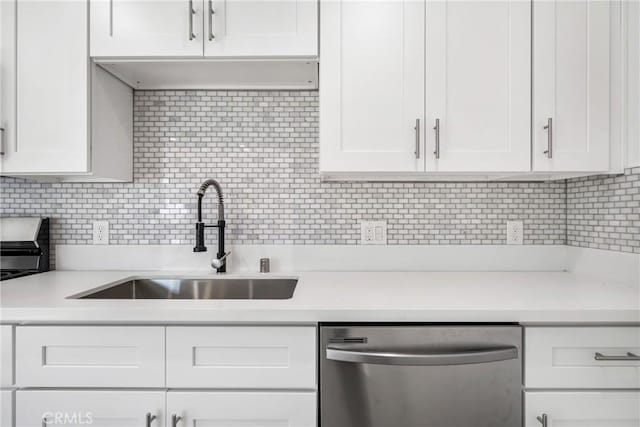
89 408
241 357
222 409
6 355
566 357
583 409
89 356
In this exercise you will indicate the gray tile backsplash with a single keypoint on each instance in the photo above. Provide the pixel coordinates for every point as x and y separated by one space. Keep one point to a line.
603 212
263 148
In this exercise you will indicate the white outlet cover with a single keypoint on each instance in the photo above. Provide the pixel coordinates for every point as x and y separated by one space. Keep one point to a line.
373 233
101 233
515 233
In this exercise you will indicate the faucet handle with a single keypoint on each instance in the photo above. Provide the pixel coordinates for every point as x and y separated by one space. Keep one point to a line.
219 262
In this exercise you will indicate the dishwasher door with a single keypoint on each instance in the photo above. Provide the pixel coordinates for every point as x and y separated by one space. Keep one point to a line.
427 376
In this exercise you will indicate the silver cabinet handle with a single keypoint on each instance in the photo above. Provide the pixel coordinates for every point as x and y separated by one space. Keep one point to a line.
211 12
390 357
549 128
417 128
175 420
2 150
192 12
629 356
437 129
543 420
149 419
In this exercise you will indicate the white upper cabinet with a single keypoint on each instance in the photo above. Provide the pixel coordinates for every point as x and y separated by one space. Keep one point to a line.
478 90
254 28
171 28
372 86
7 76
631 13
193 28
71 121
52 107
571 126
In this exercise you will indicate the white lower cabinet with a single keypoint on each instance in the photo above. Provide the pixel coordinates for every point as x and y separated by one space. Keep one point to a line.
115 408
6 408
247 409
595 357
90 356
122 369
583 409
582 376
240 357
6 355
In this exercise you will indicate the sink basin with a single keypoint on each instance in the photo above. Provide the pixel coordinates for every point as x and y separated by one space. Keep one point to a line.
181 288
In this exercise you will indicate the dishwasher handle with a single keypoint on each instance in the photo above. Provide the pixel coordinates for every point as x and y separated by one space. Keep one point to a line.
463 357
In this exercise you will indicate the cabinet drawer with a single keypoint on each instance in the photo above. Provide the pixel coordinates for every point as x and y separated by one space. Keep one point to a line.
292 409
566 357
6 355
241 357
583 409
89 408
89 356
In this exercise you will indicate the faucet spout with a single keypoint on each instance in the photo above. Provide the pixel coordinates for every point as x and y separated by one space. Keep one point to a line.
220 265
203 189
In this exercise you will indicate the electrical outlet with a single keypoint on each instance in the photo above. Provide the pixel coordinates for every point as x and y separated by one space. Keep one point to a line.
101 233
373 233
515 233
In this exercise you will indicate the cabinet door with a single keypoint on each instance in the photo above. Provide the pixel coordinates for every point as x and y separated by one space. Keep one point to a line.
6 408
6 355
372 90
115 408
261 28
583 409
632 16
146 28
571 85
478 86
250 409
7 77
52 107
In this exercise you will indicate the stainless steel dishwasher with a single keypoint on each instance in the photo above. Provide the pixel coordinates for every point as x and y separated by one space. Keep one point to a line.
427 376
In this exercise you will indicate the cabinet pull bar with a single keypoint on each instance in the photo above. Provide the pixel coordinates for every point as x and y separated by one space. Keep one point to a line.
175 420
417 128
211 12
191 13
149 419
2 150
628 357
437 129
543 420
549 128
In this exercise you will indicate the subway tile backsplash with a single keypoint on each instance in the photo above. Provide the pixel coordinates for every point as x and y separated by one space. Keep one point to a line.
603 212
263 148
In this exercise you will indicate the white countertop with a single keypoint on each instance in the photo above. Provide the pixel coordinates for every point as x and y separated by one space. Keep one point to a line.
528 298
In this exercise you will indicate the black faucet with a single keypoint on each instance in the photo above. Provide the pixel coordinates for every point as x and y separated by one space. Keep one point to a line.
219 263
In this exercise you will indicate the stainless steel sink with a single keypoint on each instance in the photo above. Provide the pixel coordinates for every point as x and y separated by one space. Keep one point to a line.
182 288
